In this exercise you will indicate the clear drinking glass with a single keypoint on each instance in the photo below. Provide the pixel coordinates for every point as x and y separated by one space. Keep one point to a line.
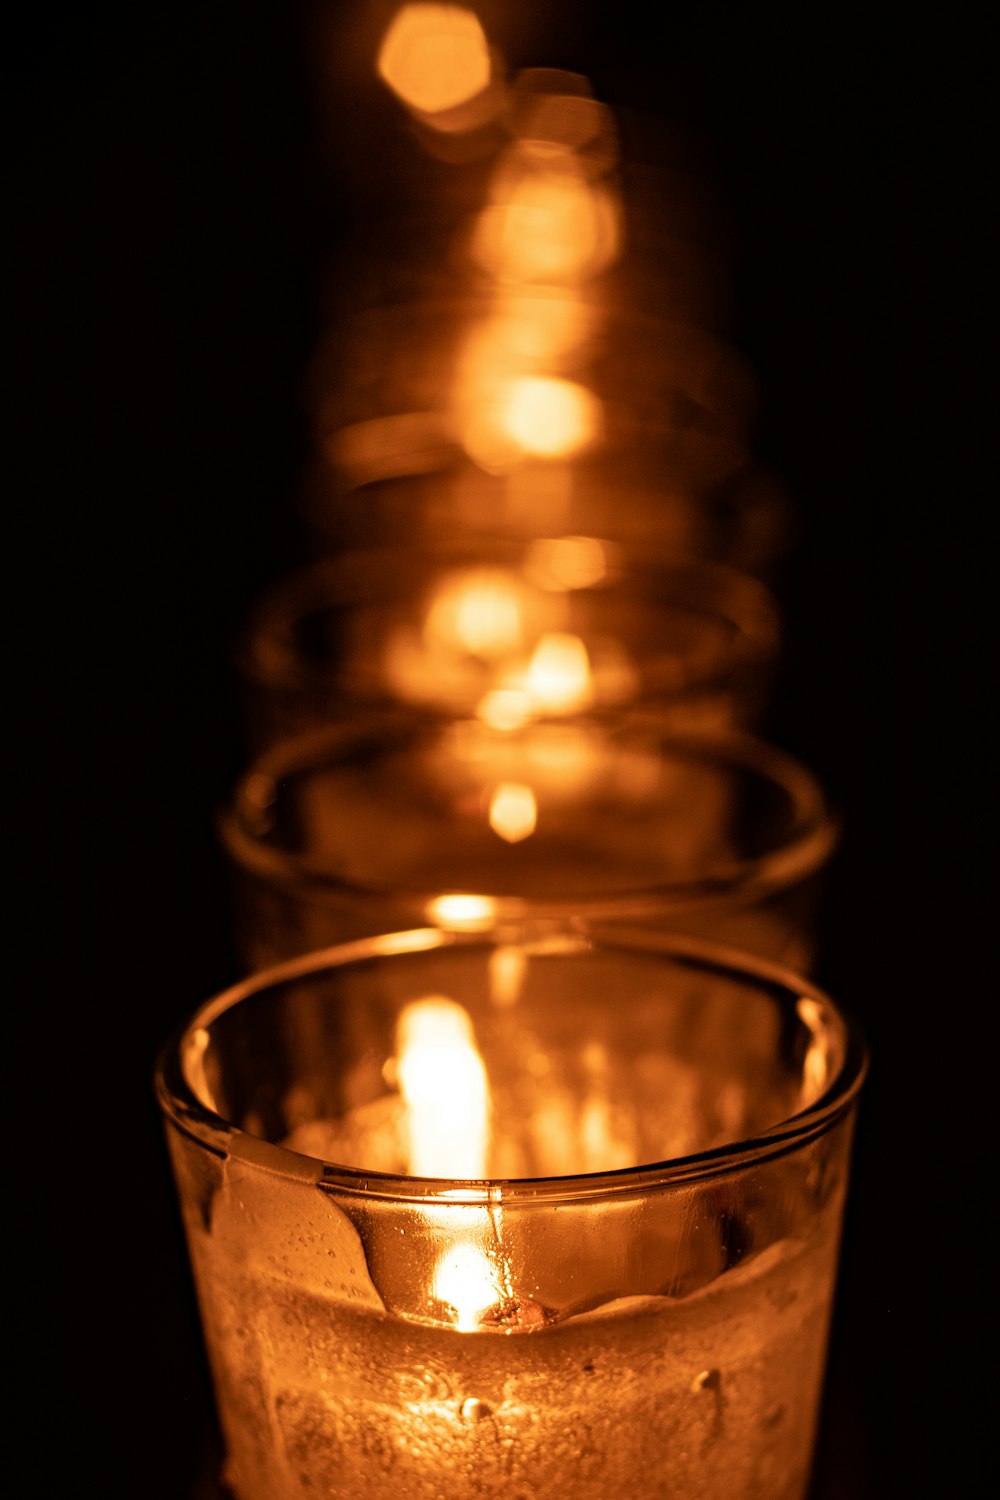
536 1213
402 819
542 627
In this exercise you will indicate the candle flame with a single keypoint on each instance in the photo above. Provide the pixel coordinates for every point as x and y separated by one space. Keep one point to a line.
435 57
443 1082
445 1090
513 812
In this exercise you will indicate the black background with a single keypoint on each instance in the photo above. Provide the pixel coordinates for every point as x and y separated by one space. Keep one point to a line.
176 201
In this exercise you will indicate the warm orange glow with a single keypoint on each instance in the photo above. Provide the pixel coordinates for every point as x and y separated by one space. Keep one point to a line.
465 1278
530 325
816 1066
571 121
444 1087
507 406
559 678
547 223
435 57
513 812
446 1095
600 1147
508 967
549 417
505 708
467 913
478 610
566 562
381 447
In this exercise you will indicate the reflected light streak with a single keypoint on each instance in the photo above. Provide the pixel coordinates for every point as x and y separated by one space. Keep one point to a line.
505 708
461 912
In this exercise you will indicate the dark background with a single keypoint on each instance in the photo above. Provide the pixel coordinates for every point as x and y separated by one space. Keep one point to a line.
176 200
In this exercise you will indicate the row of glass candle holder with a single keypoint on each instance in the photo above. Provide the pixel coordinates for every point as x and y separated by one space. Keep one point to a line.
527 1180
535 1178
526 1095
448 735
531 1184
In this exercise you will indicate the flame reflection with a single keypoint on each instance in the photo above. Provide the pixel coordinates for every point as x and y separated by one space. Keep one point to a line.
559 678
513 811
435 57
478 610
549 417
465 1278
464 912
547 223
566 562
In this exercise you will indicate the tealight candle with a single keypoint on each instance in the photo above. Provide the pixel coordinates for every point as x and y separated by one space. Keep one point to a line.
537 1213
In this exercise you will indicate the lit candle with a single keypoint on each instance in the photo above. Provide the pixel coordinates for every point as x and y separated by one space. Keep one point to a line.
630 1295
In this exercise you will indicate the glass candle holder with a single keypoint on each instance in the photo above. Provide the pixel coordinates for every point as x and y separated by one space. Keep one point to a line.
537 1214
403 819
422 491
519 631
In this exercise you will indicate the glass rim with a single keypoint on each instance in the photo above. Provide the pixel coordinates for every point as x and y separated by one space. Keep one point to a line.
181 1106
817 823
266 653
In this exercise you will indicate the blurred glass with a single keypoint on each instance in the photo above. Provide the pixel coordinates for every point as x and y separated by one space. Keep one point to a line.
448 361
508 634
401 819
